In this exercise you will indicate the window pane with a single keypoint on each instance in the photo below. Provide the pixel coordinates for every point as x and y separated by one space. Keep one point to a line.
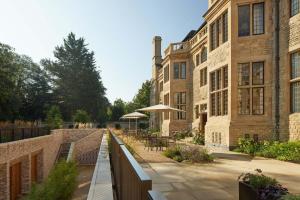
295 97
225 27
166 74
183 71
213 36
225 102
183 98
244 101
244 20
295 65
258 73
243 76
213 104
225 75
204 55
161 86
205 76
213 81
219 32
258 101
219 81
176 71
295 7
219 101
182 114
258 18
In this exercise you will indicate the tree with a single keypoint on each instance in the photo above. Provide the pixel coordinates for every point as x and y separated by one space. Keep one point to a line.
81 116
117 110
10 85
36 92
76 81
141 99
54 119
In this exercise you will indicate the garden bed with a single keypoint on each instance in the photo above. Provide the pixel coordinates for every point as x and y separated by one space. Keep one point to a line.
285 151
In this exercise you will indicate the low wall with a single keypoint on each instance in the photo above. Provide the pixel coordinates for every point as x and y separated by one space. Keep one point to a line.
45 148
88 143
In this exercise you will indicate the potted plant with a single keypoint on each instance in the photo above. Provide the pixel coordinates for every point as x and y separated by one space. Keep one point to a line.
257 186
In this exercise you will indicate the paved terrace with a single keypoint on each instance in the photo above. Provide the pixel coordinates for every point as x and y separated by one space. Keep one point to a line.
215 181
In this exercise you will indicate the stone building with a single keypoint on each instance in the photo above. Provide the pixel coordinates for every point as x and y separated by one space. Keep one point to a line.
237 76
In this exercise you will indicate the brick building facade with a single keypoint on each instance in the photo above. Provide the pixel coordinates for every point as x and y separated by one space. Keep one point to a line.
237 76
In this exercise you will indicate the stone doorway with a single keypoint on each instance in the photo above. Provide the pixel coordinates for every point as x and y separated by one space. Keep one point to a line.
203 121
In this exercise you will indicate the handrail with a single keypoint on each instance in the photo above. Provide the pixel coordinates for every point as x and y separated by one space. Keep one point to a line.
137 168
155 195
71 151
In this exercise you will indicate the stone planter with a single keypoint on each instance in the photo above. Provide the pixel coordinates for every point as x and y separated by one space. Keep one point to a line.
246 192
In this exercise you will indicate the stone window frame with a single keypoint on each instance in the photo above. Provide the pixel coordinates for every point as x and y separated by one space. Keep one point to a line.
166 102
249 87
295 83
180 103
251 19
203 76
216 137
218 92
217 31
181 66
166 73
294 7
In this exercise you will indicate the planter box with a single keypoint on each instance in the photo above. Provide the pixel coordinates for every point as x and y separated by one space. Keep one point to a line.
246 192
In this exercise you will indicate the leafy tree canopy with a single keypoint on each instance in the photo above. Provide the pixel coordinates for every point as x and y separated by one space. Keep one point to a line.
81 116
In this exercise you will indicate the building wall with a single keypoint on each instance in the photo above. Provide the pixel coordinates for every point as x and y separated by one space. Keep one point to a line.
253 48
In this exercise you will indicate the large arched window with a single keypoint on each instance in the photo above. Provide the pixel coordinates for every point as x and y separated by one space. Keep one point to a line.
204 55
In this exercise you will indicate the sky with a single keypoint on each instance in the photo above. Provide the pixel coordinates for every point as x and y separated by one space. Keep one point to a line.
120 32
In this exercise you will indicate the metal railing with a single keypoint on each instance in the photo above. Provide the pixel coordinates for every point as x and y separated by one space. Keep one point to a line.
129 179
14 134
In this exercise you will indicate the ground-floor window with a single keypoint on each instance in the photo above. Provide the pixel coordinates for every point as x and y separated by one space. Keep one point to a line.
219 92
180 103
295 82
251 89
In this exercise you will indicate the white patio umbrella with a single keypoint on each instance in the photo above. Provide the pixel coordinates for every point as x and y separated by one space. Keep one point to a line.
160 108
134 115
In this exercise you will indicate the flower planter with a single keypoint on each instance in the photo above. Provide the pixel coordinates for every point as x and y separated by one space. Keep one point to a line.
246 192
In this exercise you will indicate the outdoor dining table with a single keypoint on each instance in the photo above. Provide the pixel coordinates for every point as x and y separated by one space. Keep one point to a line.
158 142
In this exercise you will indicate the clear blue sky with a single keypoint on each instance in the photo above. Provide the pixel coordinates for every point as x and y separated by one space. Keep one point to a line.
120 32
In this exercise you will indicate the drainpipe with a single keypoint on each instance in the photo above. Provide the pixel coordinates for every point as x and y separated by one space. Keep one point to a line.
277 72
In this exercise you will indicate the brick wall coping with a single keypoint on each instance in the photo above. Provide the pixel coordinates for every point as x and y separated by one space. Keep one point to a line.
101 185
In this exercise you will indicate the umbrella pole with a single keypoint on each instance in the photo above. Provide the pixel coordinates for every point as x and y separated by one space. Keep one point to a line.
129 125
136 126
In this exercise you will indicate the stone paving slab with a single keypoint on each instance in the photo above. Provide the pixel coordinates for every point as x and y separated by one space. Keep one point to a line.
214 181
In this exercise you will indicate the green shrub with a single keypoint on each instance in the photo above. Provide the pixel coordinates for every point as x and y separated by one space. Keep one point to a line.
173 151
54 118
248 146
199 139
196 154
60 184
258 180
182 134
192 154
81 116
286 151
291 197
